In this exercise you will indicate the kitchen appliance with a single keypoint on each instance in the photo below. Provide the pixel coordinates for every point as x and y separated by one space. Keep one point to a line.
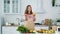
58 30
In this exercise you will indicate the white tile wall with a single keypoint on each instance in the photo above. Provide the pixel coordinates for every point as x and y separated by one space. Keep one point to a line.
24 3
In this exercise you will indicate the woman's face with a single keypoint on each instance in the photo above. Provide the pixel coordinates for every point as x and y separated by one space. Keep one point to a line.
29 8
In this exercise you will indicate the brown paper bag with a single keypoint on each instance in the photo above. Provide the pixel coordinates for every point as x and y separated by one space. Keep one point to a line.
29 25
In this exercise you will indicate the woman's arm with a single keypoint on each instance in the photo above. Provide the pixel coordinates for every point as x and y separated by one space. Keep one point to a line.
34 17
25 16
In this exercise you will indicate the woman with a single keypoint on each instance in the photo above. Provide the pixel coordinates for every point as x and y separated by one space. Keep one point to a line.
29 18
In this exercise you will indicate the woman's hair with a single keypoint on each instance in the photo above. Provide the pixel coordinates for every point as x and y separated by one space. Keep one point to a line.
26 11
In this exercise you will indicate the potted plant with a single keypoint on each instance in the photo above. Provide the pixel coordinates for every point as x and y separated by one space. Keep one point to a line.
23 29
50 23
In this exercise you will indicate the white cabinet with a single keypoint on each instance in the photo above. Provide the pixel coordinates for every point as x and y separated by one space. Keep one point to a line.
9 30
11 6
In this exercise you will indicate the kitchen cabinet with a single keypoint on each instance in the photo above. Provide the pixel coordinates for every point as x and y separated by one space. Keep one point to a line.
11 6
9 30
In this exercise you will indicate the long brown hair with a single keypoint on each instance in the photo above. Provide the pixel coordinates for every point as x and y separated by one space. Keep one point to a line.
26 11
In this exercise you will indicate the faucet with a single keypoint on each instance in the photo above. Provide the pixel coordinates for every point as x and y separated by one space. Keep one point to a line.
18 20
22 20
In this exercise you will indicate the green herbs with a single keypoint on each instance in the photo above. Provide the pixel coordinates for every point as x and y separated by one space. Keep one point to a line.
50 24
22 29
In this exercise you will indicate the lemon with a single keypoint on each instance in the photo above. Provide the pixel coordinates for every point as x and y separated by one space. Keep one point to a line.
34 31
31 30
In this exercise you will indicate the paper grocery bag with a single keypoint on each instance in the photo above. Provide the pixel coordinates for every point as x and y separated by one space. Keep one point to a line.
29 25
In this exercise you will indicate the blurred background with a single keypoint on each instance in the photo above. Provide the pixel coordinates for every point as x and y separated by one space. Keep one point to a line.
12 11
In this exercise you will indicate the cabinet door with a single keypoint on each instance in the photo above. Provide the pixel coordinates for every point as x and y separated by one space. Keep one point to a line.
6 6
5 30
13 30
15 6
11 6
9 30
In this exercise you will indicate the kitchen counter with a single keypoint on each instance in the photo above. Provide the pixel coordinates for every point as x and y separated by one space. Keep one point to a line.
10 25
11 29
41 25
18 25
37 27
